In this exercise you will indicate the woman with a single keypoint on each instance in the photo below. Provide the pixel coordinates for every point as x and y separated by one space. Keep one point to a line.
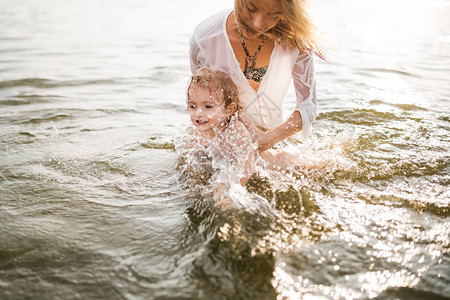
263 44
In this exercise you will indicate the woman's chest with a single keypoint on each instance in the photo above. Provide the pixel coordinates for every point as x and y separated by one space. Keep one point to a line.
262 58
253 58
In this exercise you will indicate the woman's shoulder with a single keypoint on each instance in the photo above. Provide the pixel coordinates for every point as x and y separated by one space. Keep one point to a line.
295 52
211 26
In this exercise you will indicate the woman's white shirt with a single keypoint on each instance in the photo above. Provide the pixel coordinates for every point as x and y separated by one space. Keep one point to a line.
210 47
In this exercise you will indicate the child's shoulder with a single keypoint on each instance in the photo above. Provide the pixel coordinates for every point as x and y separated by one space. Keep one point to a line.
234 123
236 134
242 130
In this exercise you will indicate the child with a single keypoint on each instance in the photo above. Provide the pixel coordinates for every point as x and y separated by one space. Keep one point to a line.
221 138
213 105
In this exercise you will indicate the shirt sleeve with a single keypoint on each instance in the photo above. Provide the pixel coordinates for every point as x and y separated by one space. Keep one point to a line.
304 78
194 50
196 59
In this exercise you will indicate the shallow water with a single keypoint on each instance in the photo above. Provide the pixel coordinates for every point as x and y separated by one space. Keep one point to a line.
92 104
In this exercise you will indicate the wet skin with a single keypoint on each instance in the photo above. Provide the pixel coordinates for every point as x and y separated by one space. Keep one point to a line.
260 16
207 110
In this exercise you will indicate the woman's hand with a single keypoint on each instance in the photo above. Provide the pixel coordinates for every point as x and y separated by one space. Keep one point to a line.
267 139
262 138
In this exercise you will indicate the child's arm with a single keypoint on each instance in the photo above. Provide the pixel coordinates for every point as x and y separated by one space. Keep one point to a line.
278 159
248 153
221 196
235 144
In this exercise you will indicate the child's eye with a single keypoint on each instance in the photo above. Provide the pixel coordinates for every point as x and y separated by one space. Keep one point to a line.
209 106
192 106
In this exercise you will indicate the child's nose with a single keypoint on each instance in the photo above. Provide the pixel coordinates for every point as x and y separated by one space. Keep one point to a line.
198 112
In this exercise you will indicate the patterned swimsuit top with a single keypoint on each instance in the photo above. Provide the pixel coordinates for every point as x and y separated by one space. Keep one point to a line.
257 74
250 72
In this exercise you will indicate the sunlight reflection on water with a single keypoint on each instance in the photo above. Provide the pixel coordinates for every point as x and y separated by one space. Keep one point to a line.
92 97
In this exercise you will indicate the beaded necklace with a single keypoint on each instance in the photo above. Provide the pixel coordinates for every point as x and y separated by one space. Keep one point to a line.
250 72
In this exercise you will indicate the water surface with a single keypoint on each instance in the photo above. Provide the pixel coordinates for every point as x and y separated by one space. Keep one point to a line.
92 103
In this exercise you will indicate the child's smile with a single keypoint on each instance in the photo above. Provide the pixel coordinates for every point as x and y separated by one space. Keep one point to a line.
201 123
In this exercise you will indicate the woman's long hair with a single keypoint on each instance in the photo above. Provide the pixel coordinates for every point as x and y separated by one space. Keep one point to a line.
294 30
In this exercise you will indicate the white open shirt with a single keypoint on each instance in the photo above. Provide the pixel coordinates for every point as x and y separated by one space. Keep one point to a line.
210 47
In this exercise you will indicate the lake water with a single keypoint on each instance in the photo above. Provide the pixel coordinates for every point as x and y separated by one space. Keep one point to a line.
92 103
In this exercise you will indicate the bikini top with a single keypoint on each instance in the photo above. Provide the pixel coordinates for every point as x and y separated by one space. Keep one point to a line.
256 74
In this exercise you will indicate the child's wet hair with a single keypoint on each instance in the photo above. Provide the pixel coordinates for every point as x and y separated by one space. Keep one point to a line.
217 82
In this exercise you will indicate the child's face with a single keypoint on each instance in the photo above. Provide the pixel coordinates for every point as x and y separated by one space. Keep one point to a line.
207 110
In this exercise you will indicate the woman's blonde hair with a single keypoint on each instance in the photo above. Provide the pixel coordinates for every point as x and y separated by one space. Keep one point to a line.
294 29
217 82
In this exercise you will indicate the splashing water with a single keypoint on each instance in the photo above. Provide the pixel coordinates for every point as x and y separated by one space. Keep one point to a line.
92 203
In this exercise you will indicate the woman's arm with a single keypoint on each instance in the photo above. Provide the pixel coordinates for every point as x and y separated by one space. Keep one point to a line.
305 113
267 139
291 126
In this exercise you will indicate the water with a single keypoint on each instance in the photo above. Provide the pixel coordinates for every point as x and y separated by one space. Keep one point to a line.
91 205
